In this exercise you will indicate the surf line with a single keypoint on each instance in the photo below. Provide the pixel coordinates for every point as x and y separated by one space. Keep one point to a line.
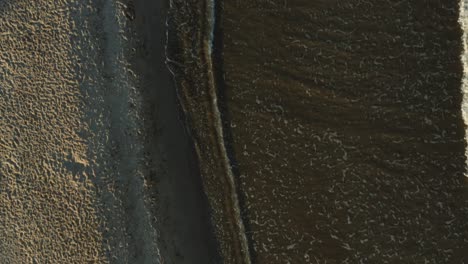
210 10
463 20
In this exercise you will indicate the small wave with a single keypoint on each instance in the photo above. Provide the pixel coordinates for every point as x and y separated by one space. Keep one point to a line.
463 20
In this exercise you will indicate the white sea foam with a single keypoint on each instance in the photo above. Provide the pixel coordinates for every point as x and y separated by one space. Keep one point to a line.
463 19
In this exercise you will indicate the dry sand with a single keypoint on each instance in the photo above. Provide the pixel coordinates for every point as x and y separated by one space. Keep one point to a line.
49 200
95 165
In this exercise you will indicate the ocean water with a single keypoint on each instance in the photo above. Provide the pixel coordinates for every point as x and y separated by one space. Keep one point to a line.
345 128
341 122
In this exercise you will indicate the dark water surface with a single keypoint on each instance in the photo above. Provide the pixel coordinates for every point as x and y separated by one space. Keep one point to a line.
343 126
347 130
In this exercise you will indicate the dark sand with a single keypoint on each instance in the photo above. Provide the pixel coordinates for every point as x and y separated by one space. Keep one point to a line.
343 124
180 205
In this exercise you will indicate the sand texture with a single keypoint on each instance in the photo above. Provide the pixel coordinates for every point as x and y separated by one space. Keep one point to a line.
96 166
48 198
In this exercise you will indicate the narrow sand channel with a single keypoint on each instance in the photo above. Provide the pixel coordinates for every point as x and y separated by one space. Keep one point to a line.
96 166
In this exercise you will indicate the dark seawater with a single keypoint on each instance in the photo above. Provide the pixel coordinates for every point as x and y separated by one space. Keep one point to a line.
342 122
346 127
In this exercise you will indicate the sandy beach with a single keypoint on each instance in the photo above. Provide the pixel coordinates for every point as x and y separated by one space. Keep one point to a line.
232 131
96 165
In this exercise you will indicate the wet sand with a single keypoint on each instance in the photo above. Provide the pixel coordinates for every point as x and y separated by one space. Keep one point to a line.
184 224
